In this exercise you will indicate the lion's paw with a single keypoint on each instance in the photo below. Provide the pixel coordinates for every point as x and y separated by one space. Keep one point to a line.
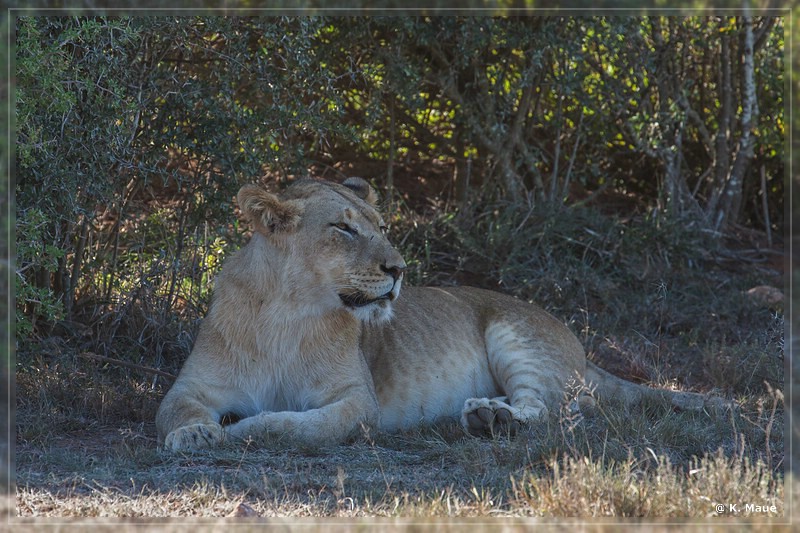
194 437
483 417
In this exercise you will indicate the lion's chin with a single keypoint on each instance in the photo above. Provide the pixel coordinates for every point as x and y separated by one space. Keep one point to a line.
376 312
372 310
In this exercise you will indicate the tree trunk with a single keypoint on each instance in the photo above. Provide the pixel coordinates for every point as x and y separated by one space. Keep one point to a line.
731 201
722 159
392 155
461 178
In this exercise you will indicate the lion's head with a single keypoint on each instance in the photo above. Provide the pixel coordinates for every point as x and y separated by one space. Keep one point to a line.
334 239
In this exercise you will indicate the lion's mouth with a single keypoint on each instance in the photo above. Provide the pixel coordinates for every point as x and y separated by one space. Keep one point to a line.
362 300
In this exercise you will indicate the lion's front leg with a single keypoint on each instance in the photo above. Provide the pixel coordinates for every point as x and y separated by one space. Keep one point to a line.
330 424
195 437
186 422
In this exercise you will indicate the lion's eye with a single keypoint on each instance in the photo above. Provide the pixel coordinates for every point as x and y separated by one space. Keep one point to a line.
345 228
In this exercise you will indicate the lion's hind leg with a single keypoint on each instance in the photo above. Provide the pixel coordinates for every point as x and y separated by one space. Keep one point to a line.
525 373
485 417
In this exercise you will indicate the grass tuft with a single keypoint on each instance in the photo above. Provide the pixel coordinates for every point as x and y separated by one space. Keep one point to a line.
585 487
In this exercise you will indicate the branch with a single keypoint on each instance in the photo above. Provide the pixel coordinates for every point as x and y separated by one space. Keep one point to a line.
701 127
148 370
496 143
760 35
568 176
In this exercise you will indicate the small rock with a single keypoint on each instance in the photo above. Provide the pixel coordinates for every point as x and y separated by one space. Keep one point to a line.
765 295
244 511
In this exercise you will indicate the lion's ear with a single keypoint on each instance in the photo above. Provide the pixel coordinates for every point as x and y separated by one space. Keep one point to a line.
362 189
266 211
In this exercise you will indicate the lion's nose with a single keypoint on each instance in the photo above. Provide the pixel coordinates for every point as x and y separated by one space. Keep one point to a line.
394 270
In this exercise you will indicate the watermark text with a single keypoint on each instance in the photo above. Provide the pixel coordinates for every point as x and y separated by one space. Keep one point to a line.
749 508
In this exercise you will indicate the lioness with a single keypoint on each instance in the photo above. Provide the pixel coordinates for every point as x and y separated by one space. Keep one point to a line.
308 338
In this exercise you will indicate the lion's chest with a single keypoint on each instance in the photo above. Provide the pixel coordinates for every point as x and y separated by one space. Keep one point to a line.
288 365
269 372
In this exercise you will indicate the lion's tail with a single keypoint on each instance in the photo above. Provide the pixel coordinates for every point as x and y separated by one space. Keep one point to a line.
606 385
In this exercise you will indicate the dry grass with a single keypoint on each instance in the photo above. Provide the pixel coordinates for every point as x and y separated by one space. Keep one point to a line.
591 466
256 486
576 488
582 487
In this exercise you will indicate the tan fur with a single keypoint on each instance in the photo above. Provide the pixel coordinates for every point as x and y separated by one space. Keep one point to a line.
306 339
